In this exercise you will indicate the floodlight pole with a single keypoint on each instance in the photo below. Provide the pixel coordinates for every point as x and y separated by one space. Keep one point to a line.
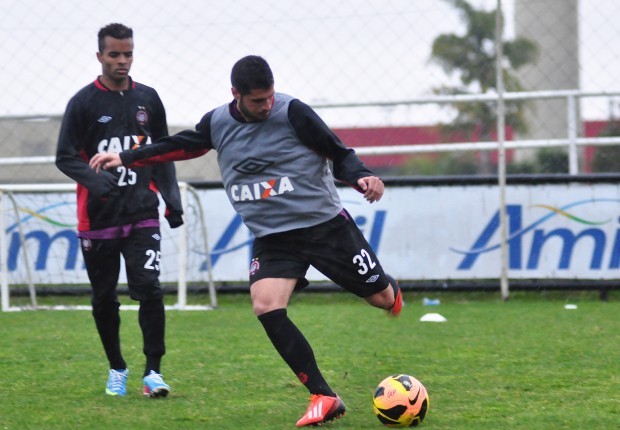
501 162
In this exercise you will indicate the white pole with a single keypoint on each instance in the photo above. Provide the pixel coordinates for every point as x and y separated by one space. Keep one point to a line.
182 284
4 278
573 164
501 162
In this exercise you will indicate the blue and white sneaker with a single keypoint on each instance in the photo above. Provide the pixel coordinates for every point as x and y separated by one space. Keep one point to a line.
154 385
117 382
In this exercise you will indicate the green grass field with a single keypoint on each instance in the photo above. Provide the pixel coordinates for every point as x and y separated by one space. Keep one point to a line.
523 364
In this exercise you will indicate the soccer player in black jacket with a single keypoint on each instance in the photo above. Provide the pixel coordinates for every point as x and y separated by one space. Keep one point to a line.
118 210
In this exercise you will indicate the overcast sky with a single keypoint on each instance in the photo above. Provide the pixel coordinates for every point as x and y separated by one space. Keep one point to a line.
320 50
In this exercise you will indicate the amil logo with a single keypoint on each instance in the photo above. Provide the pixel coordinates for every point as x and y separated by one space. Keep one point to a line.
59 232
526 243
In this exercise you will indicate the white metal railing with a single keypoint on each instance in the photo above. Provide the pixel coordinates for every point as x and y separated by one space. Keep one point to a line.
571 141
18 161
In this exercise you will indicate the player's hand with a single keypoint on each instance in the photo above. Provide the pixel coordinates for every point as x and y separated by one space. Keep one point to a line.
174 218
105 160
372 187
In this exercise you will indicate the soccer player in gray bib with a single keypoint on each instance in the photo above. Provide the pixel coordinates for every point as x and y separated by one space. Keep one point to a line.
273 153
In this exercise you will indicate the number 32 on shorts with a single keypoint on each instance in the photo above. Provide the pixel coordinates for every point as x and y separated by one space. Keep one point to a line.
364 261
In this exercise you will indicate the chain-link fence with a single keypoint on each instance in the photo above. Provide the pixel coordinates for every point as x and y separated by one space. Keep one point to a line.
359 62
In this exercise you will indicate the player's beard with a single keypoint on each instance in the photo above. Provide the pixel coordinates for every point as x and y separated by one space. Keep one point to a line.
251 116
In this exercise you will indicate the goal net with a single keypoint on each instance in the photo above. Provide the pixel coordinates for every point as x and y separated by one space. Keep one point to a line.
40 251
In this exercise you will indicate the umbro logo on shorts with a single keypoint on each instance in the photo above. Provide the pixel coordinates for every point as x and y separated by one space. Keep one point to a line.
372 279
105 119
156 236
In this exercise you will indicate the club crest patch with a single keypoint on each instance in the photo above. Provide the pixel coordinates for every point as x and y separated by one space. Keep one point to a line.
141 116
87 245
254 266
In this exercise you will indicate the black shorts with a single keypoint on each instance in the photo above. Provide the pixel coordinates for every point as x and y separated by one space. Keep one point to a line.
336 248
141 252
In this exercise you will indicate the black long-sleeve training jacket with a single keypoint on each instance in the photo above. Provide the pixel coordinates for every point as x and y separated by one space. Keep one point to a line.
100 120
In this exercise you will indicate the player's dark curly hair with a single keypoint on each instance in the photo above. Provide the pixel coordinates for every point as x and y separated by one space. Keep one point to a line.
115 30
251 73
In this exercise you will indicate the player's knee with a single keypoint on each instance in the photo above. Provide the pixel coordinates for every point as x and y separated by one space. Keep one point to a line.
146 292
261 307
104 307
384 299
262 304
104 298
270 294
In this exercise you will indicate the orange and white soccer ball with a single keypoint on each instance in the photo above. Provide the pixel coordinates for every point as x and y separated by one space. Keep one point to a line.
400 401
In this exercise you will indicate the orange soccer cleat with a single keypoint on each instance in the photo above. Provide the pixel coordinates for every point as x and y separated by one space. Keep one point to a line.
321 410
394 311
